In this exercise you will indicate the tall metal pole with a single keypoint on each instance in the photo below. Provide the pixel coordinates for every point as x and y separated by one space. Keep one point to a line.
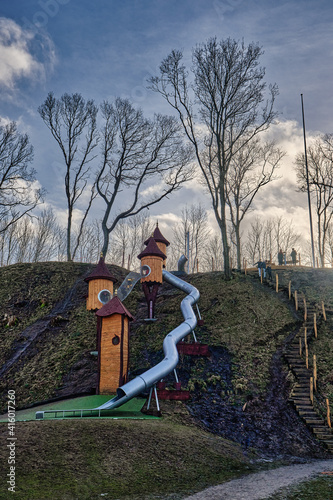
308 187
188 251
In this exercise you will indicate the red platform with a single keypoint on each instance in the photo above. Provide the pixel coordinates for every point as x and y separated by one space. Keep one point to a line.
173 394
193 349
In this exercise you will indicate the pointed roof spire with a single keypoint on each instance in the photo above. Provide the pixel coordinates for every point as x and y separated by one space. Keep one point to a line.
100 272
114 306
152 249
158 236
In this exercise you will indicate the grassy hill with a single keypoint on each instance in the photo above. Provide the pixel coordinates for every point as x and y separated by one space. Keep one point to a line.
239 393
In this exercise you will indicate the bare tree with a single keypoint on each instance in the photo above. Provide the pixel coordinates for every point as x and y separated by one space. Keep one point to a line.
330 243
266 237
320 175
226 95
143 162
18 195
194 221
251 168
212 258
128 237
44 241
72 123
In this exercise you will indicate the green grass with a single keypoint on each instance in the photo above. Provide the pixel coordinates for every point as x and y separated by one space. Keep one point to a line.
315 489
67 460
84 459
131 409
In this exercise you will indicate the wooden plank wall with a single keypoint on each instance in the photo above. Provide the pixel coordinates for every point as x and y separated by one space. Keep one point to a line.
94 287
156 264
113 358
163 248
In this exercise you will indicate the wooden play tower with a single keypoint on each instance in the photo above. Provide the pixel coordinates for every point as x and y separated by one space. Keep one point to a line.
100 286
161 242
152 261
112 344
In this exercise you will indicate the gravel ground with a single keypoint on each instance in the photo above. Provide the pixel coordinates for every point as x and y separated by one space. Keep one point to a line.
263 484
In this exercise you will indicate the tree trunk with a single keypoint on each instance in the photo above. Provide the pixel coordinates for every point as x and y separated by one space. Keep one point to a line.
238 246
224 232
69 229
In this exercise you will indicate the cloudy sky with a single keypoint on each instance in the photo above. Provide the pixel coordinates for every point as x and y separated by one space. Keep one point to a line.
109 48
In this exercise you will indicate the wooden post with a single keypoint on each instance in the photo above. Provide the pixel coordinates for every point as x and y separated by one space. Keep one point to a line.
305 309
277 282
315 325
315 372
306 355
324 312
300 347
261 273
289 290
197 265
328 413
311 389
296 300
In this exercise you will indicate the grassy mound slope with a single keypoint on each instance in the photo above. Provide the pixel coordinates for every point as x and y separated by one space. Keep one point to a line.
246 324
140 459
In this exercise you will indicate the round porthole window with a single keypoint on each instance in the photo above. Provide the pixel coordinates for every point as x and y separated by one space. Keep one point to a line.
115 340
145 271
104 296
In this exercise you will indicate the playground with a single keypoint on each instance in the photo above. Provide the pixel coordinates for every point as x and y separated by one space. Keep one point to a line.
235 412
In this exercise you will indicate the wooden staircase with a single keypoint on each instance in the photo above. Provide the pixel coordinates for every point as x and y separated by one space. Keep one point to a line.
301 395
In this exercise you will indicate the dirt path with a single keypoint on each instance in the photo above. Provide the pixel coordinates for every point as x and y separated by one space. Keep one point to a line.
263 484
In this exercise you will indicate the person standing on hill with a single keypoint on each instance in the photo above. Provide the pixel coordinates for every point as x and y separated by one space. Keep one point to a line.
280 257
293 256
269 272
263 267
259 264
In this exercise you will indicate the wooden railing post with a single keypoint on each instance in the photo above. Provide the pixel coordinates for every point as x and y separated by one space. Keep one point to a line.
311 389
289 290
315 372
307 356
296 300
277 282
315 324
323 309
305 309
328 413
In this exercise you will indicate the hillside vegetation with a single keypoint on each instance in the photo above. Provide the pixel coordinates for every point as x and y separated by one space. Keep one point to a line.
239 393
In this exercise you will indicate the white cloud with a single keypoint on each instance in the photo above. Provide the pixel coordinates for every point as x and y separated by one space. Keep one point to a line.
17 58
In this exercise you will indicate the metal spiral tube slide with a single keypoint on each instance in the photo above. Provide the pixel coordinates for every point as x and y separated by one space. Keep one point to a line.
161 370
167 365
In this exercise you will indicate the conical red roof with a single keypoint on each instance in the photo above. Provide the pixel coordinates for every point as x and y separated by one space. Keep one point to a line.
100 272
114 306
152 249
158 236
